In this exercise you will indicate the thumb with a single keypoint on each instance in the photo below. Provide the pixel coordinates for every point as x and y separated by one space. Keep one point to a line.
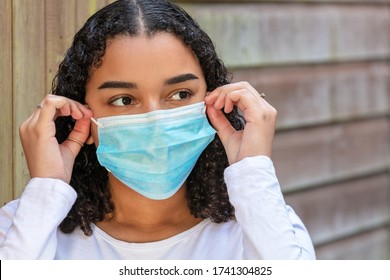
220 123
78 135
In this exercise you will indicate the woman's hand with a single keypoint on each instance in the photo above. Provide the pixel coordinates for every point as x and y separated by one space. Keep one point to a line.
45 157
257 137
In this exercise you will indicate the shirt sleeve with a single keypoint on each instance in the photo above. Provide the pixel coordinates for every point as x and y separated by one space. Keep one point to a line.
28 226
271 229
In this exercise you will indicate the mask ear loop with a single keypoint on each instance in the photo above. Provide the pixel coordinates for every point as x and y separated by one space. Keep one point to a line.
203 109
93 119
96 122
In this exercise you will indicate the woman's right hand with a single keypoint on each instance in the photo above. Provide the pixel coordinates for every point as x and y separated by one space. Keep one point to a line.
45 157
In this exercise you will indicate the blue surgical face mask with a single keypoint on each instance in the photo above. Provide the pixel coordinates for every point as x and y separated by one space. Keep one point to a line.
154 153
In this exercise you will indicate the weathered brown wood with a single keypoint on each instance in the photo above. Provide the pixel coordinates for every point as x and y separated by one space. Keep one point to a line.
60 27
329 81
6 140
305 158
369 245
28 74
85 9
371 2
315 95
254 34
339 210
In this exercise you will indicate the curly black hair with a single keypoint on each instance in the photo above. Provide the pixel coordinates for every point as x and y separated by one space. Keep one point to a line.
206 191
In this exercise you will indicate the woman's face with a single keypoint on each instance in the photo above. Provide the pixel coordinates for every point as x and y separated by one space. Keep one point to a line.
141 74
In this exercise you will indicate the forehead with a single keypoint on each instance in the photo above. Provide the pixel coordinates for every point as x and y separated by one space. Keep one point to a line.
141 56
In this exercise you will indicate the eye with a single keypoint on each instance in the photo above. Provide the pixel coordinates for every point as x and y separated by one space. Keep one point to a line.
122 101
181 94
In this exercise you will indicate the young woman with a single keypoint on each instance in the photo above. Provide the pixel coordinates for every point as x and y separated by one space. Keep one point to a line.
146 151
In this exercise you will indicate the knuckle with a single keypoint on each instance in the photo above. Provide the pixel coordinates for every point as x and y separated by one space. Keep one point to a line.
244 84
268 114
272 114
52 100
22 128
25 130
49 99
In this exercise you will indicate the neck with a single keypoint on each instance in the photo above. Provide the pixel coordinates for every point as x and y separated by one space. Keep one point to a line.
140 219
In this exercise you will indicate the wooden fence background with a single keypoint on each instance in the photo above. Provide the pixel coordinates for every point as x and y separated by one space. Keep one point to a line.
324 65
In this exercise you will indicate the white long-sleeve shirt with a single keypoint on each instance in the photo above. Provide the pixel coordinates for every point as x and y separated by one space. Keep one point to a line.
265 227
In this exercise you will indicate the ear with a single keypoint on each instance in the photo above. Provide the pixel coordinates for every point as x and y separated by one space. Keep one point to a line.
90 139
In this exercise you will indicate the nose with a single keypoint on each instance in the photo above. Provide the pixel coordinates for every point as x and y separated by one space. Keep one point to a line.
152 104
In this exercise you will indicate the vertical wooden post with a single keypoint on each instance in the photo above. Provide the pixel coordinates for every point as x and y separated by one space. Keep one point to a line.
6 127
60 27
28 74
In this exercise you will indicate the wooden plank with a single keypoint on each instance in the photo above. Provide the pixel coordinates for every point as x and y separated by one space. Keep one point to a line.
316 95
372 245
345 209
28 74
60 27
86 8
268 34
371 2
6 127
320 155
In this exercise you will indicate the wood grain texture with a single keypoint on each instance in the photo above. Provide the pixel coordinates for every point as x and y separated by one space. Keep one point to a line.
6 118
323 64
319 155
370 245
250 34
60 27
314 95
28 74
335 211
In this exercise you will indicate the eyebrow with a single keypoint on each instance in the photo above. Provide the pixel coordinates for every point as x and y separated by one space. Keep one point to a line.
171 81
180 79
117 84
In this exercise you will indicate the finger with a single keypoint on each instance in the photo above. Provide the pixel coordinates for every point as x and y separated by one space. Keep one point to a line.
35 115
220 123
78 135
254 107
218 96
29 127
211 97
220 101
54 106
87 113
234 98
79 111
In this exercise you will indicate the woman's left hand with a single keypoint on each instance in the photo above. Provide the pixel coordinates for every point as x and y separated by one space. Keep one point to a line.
257 137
